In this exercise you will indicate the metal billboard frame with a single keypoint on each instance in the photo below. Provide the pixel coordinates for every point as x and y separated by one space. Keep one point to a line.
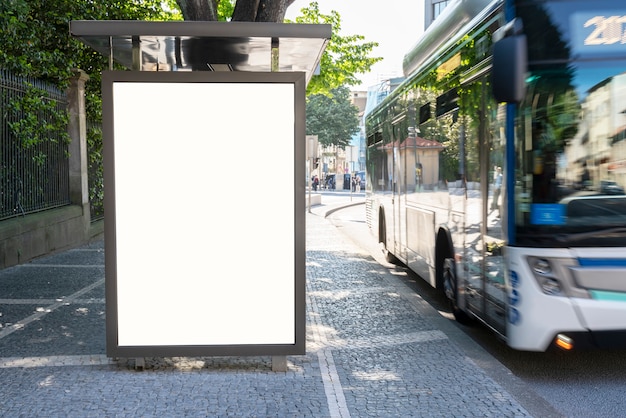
113 202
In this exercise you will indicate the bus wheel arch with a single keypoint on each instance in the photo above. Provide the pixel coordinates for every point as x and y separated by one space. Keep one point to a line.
443 250
445 271
382 236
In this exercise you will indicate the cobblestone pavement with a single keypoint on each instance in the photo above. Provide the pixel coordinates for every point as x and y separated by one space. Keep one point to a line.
371 352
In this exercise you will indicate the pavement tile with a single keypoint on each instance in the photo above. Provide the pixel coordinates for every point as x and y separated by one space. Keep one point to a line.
370 351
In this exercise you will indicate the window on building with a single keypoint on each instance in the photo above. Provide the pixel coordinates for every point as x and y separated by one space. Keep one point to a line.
438 7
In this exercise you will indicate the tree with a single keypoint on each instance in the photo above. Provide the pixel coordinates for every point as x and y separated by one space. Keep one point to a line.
344 58
243 10
332 117
36 41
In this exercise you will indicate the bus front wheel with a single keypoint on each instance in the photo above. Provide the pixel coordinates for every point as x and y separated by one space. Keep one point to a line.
382 239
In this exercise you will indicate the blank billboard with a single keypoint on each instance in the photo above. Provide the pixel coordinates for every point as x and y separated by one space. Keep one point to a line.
204 213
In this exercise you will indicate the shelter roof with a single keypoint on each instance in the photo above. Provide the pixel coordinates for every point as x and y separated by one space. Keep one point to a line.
206 46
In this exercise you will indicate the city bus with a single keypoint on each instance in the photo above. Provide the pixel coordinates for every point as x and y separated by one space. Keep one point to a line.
496 170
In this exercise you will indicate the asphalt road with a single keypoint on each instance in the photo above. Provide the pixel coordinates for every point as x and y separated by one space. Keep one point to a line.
578 384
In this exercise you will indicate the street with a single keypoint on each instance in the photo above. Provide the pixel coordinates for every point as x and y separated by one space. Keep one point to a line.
578 384
374 348
380 342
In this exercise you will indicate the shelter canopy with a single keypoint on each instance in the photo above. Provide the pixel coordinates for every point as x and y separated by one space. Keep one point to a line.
206 45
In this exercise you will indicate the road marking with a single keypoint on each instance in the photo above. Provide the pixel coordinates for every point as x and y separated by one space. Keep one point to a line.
335 398
49 301
72 266
50 308
55 361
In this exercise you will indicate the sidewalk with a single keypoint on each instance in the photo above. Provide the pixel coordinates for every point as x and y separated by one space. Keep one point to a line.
373 349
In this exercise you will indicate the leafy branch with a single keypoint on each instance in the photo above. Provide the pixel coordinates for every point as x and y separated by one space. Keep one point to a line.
35 120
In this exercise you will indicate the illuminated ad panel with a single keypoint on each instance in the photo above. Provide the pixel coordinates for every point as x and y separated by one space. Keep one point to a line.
204 213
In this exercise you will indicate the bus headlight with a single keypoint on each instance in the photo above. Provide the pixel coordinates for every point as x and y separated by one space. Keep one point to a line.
541 266
550 286
544 274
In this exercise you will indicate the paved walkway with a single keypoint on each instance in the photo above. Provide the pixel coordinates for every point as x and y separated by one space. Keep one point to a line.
373 350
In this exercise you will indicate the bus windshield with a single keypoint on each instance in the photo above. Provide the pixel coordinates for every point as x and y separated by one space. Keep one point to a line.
570 136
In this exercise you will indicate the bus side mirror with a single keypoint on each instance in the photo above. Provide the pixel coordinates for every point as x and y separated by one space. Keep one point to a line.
509 67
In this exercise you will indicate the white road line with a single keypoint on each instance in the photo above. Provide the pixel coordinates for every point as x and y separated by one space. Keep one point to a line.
335 398
50 308
73 266
55 361
41 302
332 384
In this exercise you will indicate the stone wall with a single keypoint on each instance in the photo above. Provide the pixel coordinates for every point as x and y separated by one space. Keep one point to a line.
24 238
36 234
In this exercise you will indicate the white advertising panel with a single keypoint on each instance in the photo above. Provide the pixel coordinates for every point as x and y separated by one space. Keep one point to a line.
204 226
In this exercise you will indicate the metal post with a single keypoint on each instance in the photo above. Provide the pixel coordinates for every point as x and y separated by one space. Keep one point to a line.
275 56
110 53
279 363
136 64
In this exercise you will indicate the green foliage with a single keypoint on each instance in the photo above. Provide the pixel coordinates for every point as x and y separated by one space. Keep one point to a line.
495 247
35 37
35 41
332 117
345 56
96 170
225 10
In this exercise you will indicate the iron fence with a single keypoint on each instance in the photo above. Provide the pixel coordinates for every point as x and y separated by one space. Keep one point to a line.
34 159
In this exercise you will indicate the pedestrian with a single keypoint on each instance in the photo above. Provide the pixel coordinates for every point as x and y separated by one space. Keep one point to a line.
585 178
497 185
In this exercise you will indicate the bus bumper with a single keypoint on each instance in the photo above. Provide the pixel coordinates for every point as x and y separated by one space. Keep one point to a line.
588 318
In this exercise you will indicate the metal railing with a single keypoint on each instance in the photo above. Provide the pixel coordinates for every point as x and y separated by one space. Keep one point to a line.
34 172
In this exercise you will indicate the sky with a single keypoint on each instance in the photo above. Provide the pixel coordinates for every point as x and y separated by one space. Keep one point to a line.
395 24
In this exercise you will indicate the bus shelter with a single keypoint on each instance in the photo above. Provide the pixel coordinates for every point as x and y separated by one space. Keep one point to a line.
203 257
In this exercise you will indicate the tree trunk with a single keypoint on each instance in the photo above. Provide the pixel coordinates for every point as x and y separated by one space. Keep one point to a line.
198 9
271 10
245 10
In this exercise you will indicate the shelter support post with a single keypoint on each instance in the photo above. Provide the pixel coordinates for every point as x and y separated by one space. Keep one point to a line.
136 65
279 363
275 56
140 363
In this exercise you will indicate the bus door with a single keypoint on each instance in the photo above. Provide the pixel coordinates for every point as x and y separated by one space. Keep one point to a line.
396 189
483 154
469 151
493 215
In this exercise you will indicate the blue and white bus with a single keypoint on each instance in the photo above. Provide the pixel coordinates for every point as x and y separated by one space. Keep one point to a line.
496 170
